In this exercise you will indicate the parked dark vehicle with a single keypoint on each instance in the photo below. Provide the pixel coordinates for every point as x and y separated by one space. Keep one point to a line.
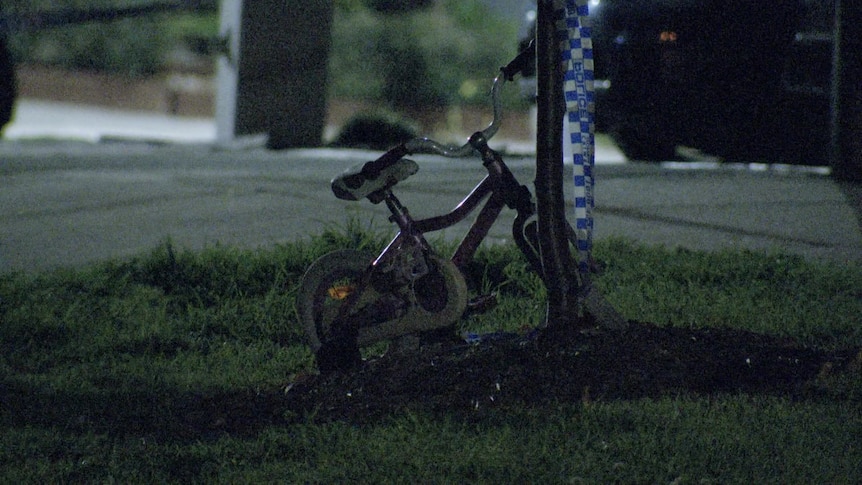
7 84
7 78
741 79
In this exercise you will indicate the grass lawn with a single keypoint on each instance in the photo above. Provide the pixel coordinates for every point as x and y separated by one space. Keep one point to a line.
109 373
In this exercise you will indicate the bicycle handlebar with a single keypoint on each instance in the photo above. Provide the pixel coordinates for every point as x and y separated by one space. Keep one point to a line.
429 146
426 145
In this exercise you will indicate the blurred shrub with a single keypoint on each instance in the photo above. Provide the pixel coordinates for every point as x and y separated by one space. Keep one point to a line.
419 56
129 46
377 130
398 6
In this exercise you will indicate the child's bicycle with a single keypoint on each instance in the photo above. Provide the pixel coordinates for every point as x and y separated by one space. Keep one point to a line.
349 298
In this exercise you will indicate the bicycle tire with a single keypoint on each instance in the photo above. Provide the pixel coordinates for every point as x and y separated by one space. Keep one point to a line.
323 288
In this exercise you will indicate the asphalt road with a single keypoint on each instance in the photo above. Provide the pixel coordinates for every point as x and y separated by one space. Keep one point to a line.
68 203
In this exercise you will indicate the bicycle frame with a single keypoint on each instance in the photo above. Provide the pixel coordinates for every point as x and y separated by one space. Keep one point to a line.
499 187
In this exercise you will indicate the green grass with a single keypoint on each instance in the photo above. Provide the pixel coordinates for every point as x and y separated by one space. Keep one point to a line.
101 369
772 293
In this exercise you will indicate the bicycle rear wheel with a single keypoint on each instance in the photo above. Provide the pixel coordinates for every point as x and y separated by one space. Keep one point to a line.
324 288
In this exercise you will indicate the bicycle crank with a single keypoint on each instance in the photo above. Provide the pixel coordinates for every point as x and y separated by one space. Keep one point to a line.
435 300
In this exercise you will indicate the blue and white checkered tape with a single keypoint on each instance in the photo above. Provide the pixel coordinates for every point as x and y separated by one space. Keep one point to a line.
576 51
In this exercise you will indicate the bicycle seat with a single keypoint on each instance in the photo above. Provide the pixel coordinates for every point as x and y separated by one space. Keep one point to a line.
359 182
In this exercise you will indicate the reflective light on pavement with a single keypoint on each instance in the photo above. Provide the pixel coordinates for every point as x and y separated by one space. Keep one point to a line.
37 119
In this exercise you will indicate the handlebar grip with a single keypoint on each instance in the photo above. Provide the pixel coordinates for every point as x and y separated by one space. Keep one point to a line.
523 63
480 144
371 170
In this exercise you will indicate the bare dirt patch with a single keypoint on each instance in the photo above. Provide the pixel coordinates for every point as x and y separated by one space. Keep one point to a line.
560 365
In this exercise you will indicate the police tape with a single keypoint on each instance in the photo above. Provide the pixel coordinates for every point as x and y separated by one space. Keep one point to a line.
576 52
